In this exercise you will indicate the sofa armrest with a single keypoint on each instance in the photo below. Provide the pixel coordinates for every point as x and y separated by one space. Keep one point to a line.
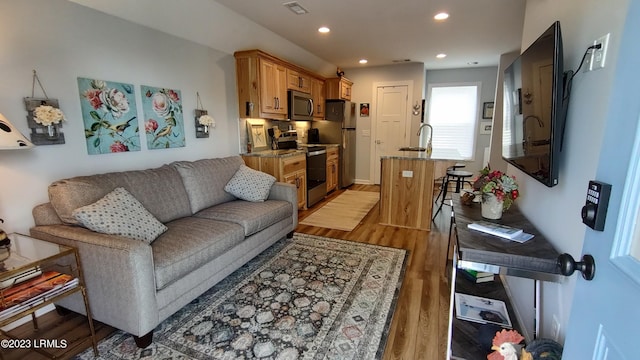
45 214
287 192
119 276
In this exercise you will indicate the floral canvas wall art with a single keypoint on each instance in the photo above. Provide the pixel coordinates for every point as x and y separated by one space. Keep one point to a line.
110 116
164 124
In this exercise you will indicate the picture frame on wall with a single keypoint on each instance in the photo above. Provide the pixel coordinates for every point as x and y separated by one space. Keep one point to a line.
487 110
364 110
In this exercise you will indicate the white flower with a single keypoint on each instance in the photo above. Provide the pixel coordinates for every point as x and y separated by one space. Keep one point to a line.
48 115
160 104
115 101
206 120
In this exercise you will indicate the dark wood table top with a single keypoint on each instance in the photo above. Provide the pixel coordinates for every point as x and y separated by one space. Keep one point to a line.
535 258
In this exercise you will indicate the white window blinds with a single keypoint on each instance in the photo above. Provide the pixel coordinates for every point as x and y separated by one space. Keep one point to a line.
453 114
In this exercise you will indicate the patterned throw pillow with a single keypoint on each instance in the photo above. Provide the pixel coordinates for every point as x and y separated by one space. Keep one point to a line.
119 213
250 185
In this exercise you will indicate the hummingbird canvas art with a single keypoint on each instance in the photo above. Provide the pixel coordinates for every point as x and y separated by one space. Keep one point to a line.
163 124
109 115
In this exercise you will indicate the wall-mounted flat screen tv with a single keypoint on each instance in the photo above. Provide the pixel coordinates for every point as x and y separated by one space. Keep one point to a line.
534 110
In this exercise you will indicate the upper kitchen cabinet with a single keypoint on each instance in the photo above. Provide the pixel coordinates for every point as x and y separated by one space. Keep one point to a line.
263 81
318 96
298 81
262 86
339 88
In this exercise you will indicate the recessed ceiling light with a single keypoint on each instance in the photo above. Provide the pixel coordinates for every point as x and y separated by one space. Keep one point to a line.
441 56
363 61
441 16
296 8
324 30
472 63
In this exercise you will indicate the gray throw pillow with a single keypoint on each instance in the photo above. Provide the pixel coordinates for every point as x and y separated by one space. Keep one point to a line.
120 213
250 185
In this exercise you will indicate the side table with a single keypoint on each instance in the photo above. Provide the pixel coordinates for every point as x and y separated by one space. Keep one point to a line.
33 274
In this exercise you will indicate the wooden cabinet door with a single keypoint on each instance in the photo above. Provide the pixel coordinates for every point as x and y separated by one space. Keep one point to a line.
345 90
273 90
298 81
318 95
332 168
299 179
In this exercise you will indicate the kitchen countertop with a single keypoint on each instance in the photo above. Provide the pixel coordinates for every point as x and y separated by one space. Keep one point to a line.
437 154
283 153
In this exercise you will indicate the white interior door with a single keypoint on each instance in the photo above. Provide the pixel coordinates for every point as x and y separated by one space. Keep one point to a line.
605 315
391 125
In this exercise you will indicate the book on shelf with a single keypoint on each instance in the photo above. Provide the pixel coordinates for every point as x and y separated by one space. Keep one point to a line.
34 291
478 276
503 231
481 310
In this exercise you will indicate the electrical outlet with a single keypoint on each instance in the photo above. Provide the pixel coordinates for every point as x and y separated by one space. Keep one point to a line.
555 328
600 55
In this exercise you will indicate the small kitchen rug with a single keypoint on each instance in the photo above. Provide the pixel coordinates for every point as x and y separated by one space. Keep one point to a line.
345 211
309 297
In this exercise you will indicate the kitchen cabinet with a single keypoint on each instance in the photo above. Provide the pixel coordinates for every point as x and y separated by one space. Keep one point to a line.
291 169
332 168
262 86
318 96
339 88
298 81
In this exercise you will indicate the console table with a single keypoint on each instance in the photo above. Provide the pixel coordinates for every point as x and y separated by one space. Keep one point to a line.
535 259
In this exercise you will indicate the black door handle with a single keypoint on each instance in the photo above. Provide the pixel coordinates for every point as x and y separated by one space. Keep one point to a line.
568 265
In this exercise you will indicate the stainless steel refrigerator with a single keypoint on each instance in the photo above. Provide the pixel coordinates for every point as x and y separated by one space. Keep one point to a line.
340 128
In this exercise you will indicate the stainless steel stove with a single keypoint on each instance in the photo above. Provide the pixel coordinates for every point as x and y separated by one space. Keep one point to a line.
316 174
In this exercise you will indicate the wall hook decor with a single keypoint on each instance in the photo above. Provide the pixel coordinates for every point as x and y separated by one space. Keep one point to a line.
204 122
44 117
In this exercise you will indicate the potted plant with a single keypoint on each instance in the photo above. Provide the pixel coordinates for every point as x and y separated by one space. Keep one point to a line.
498 190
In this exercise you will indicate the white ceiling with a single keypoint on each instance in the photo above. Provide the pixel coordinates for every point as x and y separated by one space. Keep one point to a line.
379 30
386 30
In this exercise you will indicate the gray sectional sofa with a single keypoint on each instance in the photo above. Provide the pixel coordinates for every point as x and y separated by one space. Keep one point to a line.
134 285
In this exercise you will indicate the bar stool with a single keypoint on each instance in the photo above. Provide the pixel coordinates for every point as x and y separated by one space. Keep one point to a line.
446 180
459 177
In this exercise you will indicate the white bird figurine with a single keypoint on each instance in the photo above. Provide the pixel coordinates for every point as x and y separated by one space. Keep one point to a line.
506 345
507 350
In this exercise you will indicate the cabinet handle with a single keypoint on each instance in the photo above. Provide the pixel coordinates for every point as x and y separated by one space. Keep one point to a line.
275 102
298 183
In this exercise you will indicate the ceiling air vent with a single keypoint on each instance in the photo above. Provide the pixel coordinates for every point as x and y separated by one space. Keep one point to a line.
296 8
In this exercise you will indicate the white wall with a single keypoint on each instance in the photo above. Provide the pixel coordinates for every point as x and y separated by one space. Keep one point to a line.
363 80
487 77
62 41
556 211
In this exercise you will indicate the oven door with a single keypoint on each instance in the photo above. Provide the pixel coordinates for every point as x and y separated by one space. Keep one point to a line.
316 176
300 106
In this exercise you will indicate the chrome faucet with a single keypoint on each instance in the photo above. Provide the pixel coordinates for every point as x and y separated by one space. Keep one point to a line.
429 145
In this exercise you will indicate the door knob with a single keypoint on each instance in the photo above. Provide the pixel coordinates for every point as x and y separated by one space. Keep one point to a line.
568 265
378 142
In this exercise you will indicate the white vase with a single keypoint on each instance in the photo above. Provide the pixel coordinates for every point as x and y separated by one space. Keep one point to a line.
491 207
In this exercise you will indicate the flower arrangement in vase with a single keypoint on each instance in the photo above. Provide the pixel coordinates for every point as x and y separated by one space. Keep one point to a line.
48 116
498 190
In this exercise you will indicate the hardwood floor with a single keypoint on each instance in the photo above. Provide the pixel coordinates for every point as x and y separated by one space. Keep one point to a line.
420 322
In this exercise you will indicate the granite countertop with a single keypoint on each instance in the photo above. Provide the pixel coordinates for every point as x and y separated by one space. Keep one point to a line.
282 153
437 154
327 145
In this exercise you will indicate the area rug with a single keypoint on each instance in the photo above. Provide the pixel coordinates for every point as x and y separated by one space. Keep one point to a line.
345 211
308 297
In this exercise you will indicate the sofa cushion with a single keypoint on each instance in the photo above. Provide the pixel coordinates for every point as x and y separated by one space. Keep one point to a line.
189 243
119 213
160 191
252 216
204 180
250 185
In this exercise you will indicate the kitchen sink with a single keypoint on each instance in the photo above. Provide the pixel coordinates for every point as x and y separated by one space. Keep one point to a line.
412 148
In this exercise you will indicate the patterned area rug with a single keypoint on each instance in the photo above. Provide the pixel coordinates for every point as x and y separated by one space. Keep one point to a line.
308 297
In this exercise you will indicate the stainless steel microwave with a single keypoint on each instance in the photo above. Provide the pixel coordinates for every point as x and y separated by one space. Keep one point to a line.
300 106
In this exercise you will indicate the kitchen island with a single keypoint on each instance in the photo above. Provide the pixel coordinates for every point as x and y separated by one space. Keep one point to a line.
406 187
406 190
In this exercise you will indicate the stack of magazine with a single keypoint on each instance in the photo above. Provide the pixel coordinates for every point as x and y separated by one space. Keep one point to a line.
34 291
482 310
500 230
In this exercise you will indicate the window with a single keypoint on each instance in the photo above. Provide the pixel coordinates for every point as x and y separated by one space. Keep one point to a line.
453 114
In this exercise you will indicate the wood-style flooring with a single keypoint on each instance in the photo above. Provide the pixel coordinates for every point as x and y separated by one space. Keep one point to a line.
420 322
